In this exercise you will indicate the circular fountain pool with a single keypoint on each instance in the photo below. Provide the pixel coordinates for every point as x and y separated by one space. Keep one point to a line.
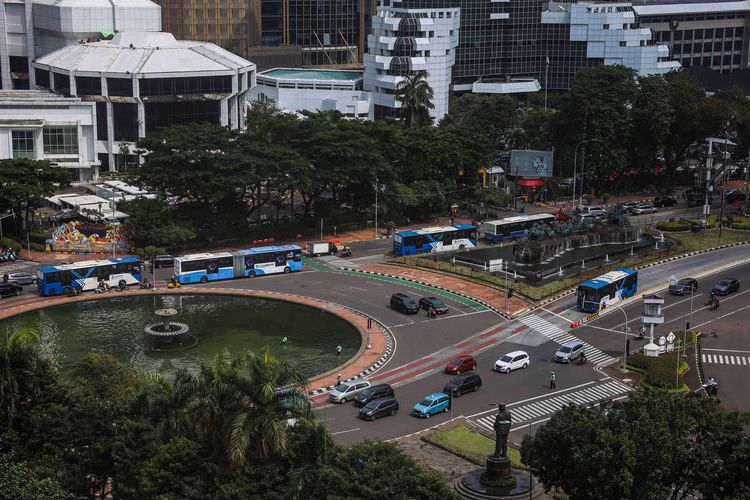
236 323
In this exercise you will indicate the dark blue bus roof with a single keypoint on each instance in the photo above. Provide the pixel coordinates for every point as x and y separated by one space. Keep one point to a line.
438 229
607 278
267 249
88 263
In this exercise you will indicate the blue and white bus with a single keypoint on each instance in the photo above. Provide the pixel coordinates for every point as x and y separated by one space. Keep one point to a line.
607 289
203 267
69 279
435 239
513 228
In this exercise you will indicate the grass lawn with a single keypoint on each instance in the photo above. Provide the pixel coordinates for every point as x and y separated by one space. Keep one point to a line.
698 241
470 445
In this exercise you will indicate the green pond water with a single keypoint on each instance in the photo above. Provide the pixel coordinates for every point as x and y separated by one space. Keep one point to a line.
115 326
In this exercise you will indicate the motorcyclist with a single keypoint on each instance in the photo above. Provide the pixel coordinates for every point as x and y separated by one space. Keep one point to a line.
173 282
716 304
641 332
145 283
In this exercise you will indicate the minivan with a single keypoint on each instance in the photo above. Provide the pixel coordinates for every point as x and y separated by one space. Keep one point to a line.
461 384
569 351
371 393
431 405
347 391
404 303
379 408
593 210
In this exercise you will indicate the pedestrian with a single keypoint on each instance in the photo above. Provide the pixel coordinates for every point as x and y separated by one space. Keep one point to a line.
552 380
338 379
5 278
338 350
284 340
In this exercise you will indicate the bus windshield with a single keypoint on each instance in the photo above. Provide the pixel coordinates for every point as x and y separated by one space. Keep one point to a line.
586 294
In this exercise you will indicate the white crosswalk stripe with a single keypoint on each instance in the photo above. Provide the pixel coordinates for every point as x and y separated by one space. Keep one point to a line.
557 334
725 359
537 409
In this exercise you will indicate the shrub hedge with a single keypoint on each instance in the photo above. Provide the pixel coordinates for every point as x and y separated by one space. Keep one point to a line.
744 226
674 226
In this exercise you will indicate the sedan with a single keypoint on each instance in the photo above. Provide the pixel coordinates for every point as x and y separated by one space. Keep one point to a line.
460 364
664 201
725 287
379 408
684 286
22 278
9 289
512 361
642 209
428 303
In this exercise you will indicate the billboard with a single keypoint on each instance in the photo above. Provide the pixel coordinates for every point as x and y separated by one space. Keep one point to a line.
531 164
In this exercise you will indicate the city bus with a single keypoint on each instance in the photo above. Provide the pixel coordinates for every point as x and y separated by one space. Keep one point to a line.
435 239
203 267
512 228
607 289
69 279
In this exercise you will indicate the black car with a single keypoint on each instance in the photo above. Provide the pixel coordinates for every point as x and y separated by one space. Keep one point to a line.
371 393
684 286
163 260
725 287
733 196
379 408
463 383
428 303
404 303
10 289
664 201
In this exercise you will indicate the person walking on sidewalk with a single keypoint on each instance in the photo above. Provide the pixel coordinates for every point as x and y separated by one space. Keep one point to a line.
552 380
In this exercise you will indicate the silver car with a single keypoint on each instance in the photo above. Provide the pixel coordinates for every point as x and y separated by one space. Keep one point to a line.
22 278
570 351
347 391
642 209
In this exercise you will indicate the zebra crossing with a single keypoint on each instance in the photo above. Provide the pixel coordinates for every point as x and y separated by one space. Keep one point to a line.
557 334
725 359
586 396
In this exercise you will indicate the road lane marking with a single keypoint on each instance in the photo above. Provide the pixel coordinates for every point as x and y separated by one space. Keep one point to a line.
559 391
373 283
725 350
344 432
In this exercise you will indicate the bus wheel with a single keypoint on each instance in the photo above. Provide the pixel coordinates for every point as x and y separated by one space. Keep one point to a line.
462 247
122 284
204 279
69 292
251 274
287 270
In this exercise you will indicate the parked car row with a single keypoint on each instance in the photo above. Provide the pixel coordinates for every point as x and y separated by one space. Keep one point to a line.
407 305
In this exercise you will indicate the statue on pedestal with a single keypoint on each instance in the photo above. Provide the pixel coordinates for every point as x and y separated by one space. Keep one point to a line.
502 429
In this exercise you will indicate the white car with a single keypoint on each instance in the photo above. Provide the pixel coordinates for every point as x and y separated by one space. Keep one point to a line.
642 209
512 361
346 391
593 210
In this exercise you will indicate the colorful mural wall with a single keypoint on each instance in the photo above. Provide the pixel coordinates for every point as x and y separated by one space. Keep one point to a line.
85 237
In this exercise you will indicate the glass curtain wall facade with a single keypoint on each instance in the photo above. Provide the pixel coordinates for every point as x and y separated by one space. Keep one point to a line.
327 30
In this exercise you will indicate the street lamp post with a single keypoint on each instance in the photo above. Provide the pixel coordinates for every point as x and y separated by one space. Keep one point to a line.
376 208
625 350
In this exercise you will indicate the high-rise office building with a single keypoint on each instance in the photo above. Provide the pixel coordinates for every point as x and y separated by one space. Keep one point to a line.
275 32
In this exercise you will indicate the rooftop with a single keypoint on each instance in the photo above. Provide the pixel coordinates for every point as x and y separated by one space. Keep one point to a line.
311 74
684 7
31 97
146 52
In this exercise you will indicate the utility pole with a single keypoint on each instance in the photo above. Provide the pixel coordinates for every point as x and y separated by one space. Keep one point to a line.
707 193
721 191
376 208
747 179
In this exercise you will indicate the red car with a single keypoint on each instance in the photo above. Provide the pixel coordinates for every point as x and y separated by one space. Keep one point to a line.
460 364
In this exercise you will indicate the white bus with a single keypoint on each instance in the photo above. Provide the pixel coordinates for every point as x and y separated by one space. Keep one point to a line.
512 228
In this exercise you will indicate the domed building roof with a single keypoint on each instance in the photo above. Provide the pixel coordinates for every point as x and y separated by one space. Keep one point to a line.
153 53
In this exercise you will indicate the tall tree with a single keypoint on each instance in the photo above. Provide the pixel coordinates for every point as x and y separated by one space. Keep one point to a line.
25 183
415 95
489 115
653 445
19 482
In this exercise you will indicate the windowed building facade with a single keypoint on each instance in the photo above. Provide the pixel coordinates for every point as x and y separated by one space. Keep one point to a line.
275 32
711 34
41 125
142 82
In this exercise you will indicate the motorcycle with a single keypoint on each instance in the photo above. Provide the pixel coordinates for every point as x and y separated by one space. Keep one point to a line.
102 287
346 252
641 334
711 386
146 285
581 360
173 283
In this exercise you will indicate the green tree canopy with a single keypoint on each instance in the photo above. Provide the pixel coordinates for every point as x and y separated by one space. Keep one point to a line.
653 445
19 482
25 183
415 95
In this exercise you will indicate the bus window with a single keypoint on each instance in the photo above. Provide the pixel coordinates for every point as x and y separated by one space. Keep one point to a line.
52 277
280 258
448 237
297 255
225 262
85 272
103 272
66 278
263 257
249 262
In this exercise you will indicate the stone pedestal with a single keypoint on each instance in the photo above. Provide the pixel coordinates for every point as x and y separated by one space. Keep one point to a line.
497 468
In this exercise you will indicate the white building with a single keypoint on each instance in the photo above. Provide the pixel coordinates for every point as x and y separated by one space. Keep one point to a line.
410 39
45 126
142 82
611 34
33 28
313 90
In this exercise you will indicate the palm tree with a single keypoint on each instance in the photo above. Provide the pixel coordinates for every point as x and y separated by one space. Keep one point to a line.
19 365
168 402
415 95
272 392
